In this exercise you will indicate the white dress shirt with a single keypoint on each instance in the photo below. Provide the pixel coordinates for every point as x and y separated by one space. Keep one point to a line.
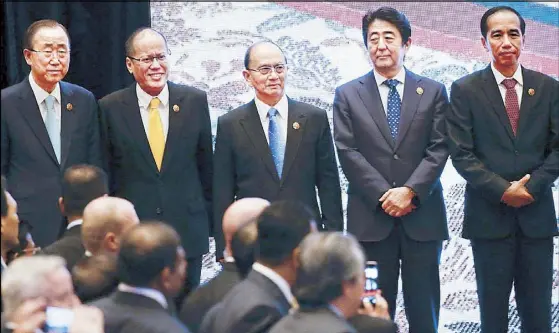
74 223
502 89
41 95
156 295
383 89
276 279
143 101
282 107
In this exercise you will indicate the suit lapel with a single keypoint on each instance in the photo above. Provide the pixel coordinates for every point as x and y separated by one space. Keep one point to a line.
294 136
68 119
253 128
371 98
528 101
410 103
491 91
32 115
176 120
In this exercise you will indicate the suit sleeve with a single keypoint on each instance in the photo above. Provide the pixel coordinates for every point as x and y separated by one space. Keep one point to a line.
431 166
460 133
94 145
542 178
360 173
204 156
328 180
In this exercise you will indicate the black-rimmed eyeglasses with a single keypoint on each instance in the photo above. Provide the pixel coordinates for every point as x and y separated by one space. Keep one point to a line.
150 60
265 70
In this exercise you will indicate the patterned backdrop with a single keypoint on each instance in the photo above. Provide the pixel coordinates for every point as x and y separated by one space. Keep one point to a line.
324 48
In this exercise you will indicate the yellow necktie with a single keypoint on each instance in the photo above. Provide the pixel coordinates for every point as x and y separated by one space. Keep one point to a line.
155 132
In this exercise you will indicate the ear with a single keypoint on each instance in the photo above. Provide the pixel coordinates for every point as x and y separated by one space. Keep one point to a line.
129 65
484 43
408 43
111 242
295 256
61 205
246 75
27 56
165 278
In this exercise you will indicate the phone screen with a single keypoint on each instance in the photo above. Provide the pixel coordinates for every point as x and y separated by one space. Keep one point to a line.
371 286
58 320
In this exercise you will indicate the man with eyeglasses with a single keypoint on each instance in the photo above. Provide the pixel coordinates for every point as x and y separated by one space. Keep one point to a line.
158 141
275 147
48 125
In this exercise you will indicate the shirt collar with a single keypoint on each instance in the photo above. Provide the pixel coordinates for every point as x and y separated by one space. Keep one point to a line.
500 77
227 257
144 98
276 279
401 76
263 108
74 223
336 311
41 94
3 262
156 295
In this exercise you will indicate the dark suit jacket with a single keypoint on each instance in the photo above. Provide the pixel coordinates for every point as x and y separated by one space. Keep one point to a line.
245 168
373 163
202 299
69 247
488 155
252 306
321 320
366 324
27 157
181 193
131 313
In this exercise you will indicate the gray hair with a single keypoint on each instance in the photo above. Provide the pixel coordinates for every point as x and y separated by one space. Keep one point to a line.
327 259
27 278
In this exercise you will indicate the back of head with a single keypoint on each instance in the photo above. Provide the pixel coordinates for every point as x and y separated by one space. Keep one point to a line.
243 247
281 227
82 184
95 277
240 212
326 260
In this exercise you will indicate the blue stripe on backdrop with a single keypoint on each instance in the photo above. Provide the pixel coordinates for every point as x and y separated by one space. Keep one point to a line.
529 10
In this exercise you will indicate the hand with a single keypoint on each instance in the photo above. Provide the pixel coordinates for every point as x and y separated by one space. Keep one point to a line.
517 195
87 319
30 316
397 201
380 310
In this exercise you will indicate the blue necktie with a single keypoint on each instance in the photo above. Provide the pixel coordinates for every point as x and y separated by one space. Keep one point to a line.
53 126
394 106
277 146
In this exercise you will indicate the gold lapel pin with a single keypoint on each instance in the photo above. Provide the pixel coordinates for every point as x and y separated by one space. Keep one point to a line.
69 106
176 108
419 91
531 91
296 126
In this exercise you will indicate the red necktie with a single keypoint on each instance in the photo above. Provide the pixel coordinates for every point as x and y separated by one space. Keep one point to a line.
511 103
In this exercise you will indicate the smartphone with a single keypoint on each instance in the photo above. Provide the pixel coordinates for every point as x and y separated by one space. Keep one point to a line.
371 286
58 320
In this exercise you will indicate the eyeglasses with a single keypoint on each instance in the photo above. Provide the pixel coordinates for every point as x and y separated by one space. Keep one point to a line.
150 60
61 53
265 70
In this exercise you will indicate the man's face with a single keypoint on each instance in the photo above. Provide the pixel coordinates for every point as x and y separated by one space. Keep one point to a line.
269 87
10 224
385 46
504 39
60 291
177 277
151 75
49 69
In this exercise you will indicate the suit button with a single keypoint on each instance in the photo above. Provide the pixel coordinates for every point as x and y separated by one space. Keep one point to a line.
158 211
394 184
516 152
396 157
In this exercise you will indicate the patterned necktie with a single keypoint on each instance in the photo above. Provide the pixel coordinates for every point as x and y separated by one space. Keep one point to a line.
511 103
156 138
394 104
277 146
53 126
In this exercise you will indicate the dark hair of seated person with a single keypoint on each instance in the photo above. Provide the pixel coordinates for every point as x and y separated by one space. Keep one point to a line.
243 246
95 277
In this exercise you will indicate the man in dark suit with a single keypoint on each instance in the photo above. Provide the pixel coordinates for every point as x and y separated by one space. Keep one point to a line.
151 268
81 184
274 147
504 135
47 126
329 286
259 301
389 129
201 300
159 147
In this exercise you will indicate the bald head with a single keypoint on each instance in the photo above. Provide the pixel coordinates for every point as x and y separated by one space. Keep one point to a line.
105 219
241 212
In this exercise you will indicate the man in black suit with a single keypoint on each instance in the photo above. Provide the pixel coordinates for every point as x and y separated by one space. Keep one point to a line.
10 224
389 129
504 135
329 286
81 184
274 147
159 147
201 300
47 125
259 301
151 268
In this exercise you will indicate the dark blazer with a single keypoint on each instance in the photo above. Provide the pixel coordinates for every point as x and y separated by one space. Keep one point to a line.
245 168
252 306
373 163
321 320
69 247
367 324
27 157
487 154
202 299
181 193
131 313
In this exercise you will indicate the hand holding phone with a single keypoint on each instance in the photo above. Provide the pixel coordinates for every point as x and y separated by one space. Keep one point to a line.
371 286
58 320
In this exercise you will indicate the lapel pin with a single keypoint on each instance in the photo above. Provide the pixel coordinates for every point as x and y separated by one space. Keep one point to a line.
419 91
176 108
69 106
531 91
296 126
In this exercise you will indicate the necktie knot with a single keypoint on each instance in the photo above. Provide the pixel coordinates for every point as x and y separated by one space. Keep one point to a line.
272 112
49 102
509 83
154 103
392 83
